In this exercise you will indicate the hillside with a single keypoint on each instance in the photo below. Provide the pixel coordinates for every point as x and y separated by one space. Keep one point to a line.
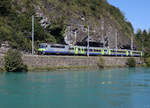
57 19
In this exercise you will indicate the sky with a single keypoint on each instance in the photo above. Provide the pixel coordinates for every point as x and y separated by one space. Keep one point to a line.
136 11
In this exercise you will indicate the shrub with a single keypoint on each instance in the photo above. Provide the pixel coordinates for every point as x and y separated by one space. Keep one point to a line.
13 62
147 61
131 62
101 62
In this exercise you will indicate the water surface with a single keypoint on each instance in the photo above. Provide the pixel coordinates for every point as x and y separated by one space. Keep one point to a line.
110 88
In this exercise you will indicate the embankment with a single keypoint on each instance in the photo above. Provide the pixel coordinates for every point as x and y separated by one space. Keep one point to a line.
53 62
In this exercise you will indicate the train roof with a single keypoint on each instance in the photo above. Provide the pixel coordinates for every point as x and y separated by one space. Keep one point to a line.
52 44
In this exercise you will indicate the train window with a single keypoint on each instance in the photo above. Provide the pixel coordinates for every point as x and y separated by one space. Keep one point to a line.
121 51
53 46
42 46
113 51
90 49
136 52
71 48
97 50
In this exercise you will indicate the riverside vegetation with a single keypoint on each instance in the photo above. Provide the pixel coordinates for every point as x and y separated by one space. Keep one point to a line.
13 62
143 43
101 62
131 62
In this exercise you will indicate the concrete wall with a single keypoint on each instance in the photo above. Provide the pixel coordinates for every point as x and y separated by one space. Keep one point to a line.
65 61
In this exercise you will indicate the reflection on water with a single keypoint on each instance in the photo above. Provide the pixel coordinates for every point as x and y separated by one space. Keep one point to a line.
110 88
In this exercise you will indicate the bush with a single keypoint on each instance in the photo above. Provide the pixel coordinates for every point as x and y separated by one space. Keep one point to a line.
131 62
147 61
101 62
13 62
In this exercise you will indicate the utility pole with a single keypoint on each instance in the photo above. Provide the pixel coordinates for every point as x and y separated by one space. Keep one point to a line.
75 34
116 39
102 28
142 44
32 34
143 50
132 42
88 41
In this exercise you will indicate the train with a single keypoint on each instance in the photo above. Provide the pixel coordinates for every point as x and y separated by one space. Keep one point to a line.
60 49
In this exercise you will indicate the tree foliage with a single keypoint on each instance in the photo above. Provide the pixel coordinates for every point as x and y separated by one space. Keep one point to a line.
143 40
101 62
147 61
131 62
14 62
5 7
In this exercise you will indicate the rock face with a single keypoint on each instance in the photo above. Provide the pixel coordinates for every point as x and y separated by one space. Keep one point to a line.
105 33
104 27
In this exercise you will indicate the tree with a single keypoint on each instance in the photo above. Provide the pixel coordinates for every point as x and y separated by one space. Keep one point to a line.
5 7
138 33
131 62
101 63
13 62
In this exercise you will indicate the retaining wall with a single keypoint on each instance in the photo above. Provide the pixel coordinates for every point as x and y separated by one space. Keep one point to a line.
65 61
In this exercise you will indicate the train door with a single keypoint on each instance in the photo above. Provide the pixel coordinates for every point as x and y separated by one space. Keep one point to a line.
102 51
106 52
109 51
142 54
127 53
131 54
76 50
82 51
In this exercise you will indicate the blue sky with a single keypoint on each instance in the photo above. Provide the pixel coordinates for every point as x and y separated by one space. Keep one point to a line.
136 11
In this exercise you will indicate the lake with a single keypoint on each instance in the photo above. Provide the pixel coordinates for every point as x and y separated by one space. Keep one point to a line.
108 88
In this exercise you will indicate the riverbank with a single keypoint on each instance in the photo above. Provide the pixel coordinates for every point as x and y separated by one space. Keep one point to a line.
46 63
